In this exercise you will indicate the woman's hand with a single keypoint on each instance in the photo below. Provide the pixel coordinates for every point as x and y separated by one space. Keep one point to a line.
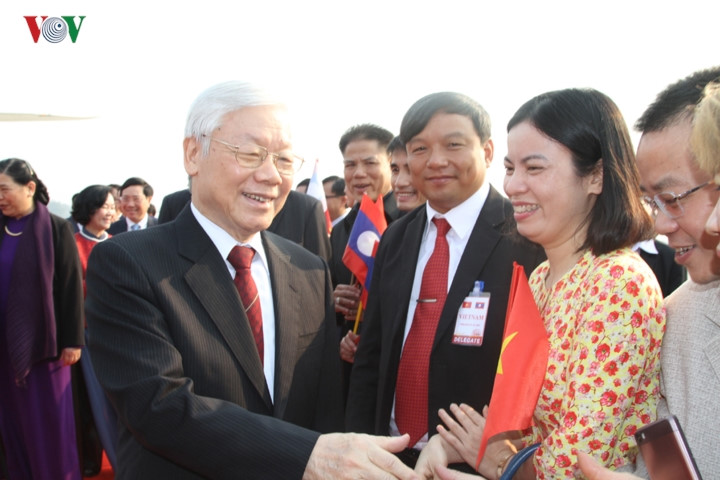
436 453
70 356
464 432
594 471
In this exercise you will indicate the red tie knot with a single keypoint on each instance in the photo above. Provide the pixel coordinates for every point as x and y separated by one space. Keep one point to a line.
241 257
442 225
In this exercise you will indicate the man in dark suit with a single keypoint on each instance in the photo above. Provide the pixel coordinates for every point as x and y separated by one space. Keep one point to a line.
366 166
447 136
661 258
302 220
135 197
173 204
207 381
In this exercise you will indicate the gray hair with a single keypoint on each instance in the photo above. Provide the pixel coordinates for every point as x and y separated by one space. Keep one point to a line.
209 108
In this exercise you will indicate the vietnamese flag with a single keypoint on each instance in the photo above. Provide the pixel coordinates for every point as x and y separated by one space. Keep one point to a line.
522 364
365 235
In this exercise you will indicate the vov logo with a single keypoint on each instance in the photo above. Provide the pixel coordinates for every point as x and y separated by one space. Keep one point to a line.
54 29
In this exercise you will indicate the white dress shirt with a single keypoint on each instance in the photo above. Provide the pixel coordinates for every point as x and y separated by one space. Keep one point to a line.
224 242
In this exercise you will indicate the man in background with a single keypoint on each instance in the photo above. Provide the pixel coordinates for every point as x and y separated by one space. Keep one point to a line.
336 199
135 197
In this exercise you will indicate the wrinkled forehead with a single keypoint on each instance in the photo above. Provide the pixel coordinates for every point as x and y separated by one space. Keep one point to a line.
258 124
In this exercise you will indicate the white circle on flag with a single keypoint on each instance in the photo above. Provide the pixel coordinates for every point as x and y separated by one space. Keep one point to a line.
366 242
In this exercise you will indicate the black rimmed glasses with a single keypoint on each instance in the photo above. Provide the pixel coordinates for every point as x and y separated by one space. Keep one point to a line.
249 155
669 203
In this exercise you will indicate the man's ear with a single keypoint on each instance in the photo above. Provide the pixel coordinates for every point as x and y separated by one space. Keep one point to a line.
192 152
489 149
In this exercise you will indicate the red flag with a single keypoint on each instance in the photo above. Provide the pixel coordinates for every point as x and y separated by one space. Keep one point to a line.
365 235
522 364
315 189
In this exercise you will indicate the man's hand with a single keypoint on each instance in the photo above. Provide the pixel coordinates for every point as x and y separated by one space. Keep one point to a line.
70 356
348 346
353 456
347 299
595 471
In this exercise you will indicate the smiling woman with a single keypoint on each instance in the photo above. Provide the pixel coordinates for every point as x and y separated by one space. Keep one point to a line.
41 315
572 180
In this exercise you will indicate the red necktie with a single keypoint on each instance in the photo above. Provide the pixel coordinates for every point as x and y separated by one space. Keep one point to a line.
411 395
241 258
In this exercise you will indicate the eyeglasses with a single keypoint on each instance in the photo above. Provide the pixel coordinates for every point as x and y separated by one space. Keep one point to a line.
669 203
250 155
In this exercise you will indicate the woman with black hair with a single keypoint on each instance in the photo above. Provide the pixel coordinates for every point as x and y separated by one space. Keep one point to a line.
41 331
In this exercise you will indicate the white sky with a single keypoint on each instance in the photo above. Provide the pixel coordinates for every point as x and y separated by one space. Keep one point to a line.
137 66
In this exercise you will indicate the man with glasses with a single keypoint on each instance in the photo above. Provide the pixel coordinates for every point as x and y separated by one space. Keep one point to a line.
215 340
682 196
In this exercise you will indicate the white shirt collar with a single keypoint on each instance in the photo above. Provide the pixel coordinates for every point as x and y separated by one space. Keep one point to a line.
224 242
143 222
458 216
647 246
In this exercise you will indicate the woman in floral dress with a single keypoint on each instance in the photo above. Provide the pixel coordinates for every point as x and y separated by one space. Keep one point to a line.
571 176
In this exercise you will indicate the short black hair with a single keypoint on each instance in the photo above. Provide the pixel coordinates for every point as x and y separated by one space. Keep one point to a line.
365 131
338 187
677 101
133 181
87 202
396 144
420 113
303 183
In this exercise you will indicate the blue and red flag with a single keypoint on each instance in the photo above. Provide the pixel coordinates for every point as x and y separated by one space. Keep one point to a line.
365 235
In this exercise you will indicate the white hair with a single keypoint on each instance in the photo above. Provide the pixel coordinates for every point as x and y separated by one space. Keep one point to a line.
209 108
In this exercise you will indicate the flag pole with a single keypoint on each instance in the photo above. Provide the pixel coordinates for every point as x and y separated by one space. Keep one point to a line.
357 317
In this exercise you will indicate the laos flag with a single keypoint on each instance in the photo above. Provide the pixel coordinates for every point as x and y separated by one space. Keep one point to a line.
365 235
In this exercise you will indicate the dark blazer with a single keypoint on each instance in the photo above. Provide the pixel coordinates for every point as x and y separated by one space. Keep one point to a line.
457 373
302 220
174 352
120 225
670 275
172 205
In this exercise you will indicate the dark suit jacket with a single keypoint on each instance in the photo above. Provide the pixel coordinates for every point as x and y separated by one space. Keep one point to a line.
670 275
302 220
172 205
174 352
120 225
457 373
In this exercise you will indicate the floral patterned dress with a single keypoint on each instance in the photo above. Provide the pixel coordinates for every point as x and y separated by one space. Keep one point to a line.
605 321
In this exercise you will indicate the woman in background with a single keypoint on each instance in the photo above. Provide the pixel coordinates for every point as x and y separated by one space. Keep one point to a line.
573 183
41 332
93 209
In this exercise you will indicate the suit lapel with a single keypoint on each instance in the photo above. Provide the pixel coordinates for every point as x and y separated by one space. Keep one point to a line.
484 237
409 250
209 280
285 298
